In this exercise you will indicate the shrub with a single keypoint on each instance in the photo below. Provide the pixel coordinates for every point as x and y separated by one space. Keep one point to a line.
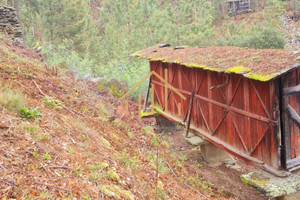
11 99
265 38
30 113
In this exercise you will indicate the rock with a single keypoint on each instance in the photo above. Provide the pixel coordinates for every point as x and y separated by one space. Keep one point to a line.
95 79
273 186
195 140
236 167
230 162
9 24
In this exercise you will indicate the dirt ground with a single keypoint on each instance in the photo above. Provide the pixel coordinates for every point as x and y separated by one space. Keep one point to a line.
222 177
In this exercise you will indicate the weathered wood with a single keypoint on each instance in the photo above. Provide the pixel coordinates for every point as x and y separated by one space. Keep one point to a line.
147 95
223 145
230 108
189 115
286 133
292 163
293 115
291 91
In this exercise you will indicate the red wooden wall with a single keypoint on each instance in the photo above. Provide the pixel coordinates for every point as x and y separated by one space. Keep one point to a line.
291 130
241 117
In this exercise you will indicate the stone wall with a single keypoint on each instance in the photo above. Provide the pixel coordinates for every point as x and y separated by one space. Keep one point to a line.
9 24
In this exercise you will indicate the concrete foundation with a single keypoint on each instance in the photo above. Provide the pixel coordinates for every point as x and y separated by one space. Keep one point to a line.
214 155
166 125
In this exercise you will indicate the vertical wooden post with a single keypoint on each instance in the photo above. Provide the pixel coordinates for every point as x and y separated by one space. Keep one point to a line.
246 85
166 90
152 97
179 109
140 106
189 115
147 95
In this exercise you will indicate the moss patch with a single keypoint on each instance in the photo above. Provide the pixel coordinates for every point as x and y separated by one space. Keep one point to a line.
113 176
114 191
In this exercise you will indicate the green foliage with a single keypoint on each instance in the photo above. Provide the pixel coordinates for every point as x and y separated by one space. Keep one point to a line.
95 176
266 38
42 137
30 113
35 154
46 156
69 33
87 197
273 12
199 165
11 99
52 103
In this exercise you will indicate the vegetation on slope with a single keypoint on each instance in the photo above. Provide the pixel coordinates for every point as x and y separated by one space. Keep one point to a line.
102 34
62 138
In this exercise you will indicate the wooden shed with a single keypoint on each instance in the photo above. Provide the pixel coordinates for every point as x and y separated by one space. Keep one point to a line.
245 101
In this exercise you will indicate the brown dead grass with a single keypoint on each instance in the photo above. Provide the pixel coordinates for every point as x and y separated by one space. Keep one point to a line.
58 156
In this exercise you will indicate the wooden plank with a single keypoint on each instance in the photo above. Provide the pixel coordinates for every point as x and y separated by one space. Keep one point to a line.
293 115
291 91
233 109
147 95
227 147
210 96
275 131
292 163
248 129
286 122
189 115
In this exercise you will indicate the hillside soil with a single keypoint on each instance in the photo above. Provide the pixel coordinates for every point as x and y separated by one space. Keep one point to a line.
76 142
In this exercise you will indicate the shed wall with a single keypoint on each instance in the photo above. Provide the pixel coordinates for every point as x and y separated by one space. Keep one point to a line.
243 114
291 130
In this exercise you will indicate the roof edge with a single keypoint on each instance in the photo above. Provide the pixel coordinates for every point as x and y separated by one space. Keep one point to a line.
245 71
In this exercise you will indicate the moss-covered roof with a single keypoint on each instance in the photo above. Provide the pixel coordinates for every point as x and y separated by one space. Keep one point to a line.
258 64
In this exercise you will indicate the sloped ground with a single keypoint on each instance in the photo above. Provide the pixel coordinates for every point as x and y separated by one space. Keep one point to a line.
84 147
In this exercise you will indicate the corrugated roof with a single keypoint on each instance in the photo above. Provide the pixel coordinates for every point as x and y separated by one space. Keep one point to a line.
258 64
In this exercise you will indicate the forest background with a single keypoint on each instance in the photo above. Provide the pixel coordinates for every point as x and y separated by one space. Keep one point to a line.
97 36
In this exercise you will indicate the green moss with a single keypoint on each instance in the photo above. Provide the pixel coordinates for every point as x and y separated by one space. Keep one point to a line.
253 179
104 165
148 114
238 70
260 77
114 191
106 142
246 181
113 176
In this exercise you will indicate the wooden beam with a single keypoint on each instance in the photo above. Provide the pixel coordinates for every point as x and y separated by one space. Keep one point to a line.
291 91
223 145
293 115
292 163
147 95
225 106
189 115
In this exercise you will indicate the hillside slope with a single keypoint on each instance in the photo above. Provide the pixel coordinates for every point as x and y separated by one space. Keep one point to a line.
75 149
73 141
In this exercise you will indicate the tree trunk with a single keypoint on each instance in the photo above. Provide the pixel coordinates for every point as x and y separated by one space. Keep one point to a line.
51 26
16 5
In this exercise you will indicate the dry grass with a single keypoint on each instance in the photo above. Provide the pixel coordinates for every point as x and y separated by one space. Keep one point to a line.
11 99
62 155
